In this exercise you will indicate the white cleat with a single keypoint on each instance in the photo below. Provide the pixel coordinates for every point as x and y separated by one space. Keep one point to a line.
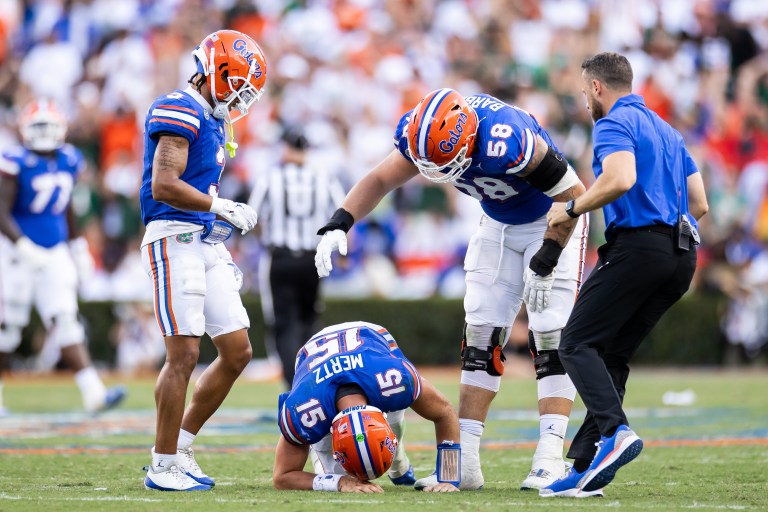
186 461
172 479
545 471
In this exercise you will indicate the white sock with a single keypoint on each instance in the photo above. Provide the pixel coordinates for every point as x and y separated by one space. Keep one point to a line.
473 427
162 461
553 424
185 440
551 436
91 388
400 463
471 431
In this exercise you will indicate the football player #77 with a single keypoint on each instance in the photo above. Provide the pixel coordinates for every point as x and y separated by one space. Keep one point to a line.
353 381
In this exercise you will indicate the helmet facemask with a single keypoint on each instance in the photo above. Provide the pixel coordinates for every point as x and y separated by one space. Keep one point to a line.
446 173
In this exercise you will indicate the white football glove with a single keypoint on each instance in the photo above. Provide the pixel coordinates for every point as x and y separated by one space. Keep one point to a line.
240 215
537 290
331 241
30 253
81 256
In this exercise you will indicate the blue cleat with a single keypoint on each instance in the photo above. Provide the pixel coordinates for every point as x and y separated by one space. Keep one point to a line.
408 478
612 453
115 396
173 479
569 486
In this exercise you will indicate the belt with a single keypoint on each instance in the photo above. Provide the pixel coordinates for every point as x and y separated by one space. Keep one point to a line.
285 251
654 228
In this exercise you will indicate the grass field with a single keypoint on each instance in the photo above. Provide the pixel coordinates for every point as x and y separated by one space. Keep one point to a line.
712 455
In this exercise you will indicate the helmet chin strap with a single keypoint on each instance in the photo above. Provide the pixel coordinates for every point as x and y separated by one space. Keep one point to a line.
221 110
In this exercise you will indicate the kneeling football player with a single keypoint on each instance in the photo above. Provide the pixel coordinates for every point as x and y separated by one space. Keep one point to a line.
346 410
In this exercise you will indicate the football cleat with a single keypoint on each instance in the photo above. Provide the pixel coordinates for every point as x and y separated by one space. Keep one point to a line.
408 478
115 396
612 453
172 479
186 461
543 473
569 486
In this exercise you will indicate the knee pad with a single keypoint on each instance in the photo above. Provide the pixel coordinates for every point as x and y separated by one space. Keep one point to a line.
546 360
66 330
10 338
482 349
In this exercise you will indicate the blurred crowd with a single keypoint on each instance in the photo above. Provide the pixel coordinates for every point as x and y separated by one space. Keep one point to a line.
346 70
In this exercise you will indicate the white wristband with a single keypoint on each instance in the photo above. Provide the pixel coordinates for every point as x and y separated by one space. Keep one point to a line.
326 482
218 205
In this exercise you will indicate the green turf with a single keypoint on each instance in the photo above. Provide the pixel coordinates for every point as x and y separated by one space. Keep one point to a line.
664 477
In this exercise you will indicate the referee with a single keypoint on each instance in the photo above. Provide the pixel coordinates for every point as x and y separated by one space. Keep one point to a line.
652 195
292 198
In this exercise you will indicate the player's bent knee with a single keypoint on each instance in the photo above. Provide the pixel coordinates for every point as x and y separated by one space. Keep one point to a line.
544 349
66 330
10 338
482 358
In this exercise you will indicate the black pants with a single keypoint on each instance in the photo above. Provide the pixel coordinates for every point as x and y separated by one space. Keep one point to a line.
638 277
295 304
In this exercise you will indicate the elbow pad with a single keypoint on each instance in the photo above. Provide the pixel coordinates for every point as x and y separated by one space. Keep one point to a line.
553 175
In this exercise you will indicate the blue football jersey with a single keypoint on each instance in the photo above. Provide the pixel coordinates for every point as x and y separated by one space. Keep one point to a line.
45 183
350 353
506 137
183 114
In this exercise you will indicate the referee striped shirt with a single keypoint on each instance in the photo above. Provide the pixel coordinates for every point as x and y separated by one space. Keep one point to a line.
293 201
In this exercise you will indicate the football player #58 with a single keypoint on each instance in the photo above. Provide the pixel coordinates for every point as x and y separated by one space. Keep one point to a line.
196 284
40 259
353 381
501 156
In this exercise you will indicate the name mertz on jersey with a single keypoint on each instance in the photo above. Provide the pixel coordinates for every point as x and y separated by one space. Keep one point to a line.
183 114
352 353
45 182
506 137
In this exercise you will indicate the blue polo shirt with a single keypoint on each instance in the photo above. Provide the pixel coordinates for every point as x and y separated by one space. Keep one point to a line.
663 165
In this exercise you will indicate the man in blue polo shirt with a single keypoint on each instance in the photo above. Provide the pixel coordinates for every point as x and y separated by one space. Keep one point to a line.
651 194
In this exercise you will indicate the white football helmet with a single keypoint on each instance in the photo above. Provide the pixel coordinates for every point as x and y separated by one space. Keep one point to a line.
43 126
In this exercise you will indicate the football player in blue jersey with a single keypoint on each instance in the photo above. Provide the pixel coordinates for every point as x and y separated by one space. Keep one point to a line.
345 410
501 156
196 284
40 259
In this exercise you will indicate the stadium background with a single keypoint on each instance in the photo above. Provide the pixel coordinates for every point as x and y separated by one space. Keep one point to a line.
346 70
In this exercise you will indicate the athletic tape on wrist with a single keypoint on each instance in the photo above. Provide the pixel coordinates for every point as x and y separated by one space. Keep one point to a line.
326 482
449 463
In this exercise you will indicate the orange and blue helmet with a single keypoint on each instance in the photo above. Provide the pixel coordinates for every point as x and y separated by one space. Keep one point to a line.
235 70
363 442
43 126
441 135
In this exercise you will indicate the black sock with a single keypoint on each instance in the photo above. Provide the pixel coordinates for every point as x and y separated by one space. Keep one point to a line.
581 465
